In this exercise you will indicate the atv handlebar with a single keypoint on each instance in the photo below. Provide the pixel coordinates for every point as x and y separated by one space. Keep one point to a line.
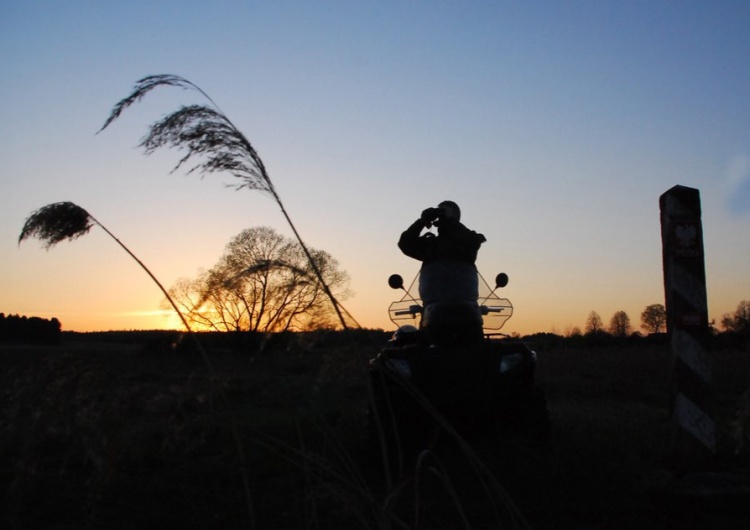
418 309
413 310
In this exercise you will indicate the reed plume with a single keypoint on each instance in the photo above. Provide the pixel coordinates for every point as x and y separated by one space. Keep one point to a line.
210 140
55 223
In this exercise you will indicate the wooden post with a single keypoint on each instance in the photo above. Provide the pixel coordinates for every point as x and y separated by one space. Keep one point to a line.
694 434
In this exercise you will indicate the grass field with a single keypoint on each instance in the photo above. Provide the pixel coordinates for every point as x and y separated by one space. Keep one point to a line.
119 435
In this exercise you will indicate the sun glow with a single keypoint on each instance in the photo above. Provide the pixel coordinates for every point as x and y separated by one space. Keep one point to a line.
151 319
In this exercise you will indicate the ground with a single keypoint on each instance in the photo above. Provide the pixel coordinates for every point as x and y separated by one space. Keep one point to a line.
120 433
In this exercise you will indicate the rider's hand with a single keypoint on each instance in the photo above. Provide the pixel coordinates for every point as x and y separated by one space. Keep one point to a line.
429 215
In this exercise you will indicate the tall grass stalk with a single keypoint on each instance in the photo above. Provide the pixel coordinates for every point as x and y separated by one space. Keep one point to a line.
62 221
437 469
206 132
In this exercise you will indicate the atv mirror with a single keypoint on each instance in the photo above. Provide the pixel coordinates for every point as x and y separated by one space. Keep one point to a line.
395 281
501 280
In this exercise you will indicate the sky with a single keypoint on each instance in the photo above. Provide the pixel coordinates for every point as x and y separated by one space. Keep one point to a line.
556 126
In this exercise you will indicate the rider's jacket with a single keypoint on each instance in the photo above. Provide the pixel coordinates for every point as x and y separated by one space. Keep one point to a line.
454 241
448 272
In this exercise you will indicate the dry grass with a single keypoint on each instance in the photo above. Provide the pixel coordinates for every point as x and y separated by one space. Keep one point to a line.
106 436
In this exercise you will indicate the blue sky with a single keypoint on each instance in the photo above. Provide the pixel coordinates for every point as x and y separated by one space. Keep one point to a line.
555 125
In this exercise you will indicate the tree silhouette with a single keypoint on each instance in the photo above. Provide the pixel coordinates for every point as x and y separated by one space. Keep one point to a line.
263 282
740 320
594 323
654 318
619 326
205 132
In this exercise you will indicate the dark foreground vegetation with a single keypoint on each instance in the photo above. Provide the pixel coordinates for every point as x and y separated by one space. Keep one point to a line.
133 430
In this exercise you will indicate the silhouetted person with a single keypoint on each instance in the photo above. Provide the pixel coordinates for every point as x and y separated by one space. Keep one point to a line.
448 281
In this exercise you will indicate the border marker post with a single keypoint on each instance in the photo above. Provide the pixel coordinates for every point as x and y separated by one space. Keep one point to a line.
694 430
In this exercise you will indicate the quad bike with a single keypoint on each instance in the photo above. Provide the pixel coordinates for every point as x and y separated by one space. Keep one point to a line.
452 360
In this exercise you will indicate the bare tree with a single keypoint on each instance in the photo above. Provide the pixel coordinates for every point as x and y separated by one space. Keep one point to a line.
654 318
594 323
262 282
619 326
740 320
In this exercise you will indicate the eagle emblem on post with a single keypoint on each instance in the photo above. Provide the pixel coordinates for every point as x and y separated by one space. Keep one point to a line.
686 234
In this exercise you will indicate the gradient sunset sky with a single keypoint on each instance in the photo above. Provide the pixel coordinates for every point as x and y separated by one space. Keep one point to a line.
555 126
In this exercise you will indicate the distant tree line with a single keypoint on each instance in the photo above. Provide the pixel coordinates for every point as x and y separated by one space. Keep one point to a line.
29 329
654 321
734 330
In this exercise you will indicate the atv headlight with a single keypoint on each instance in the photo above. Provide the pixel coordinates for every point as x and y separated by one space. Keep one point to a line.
509 362
401 366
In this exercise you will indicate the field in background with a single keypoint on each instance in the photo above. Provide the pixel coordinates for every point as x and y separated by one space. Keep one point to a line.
126 433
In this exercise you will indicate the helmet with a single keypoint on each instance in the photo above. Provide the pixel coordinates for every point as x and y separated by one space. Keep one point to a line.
450 210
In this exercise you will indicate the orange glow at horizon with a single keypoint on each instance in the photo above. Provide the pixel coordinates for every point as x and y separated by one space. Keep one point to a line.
124 321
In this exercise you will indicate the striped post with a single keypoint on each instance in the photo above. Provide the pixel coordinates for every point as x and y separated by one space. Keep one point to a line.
694 438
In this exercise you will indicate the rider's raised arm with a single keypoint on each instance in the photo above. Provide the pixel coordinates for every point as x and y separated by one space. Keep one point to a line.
411 243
